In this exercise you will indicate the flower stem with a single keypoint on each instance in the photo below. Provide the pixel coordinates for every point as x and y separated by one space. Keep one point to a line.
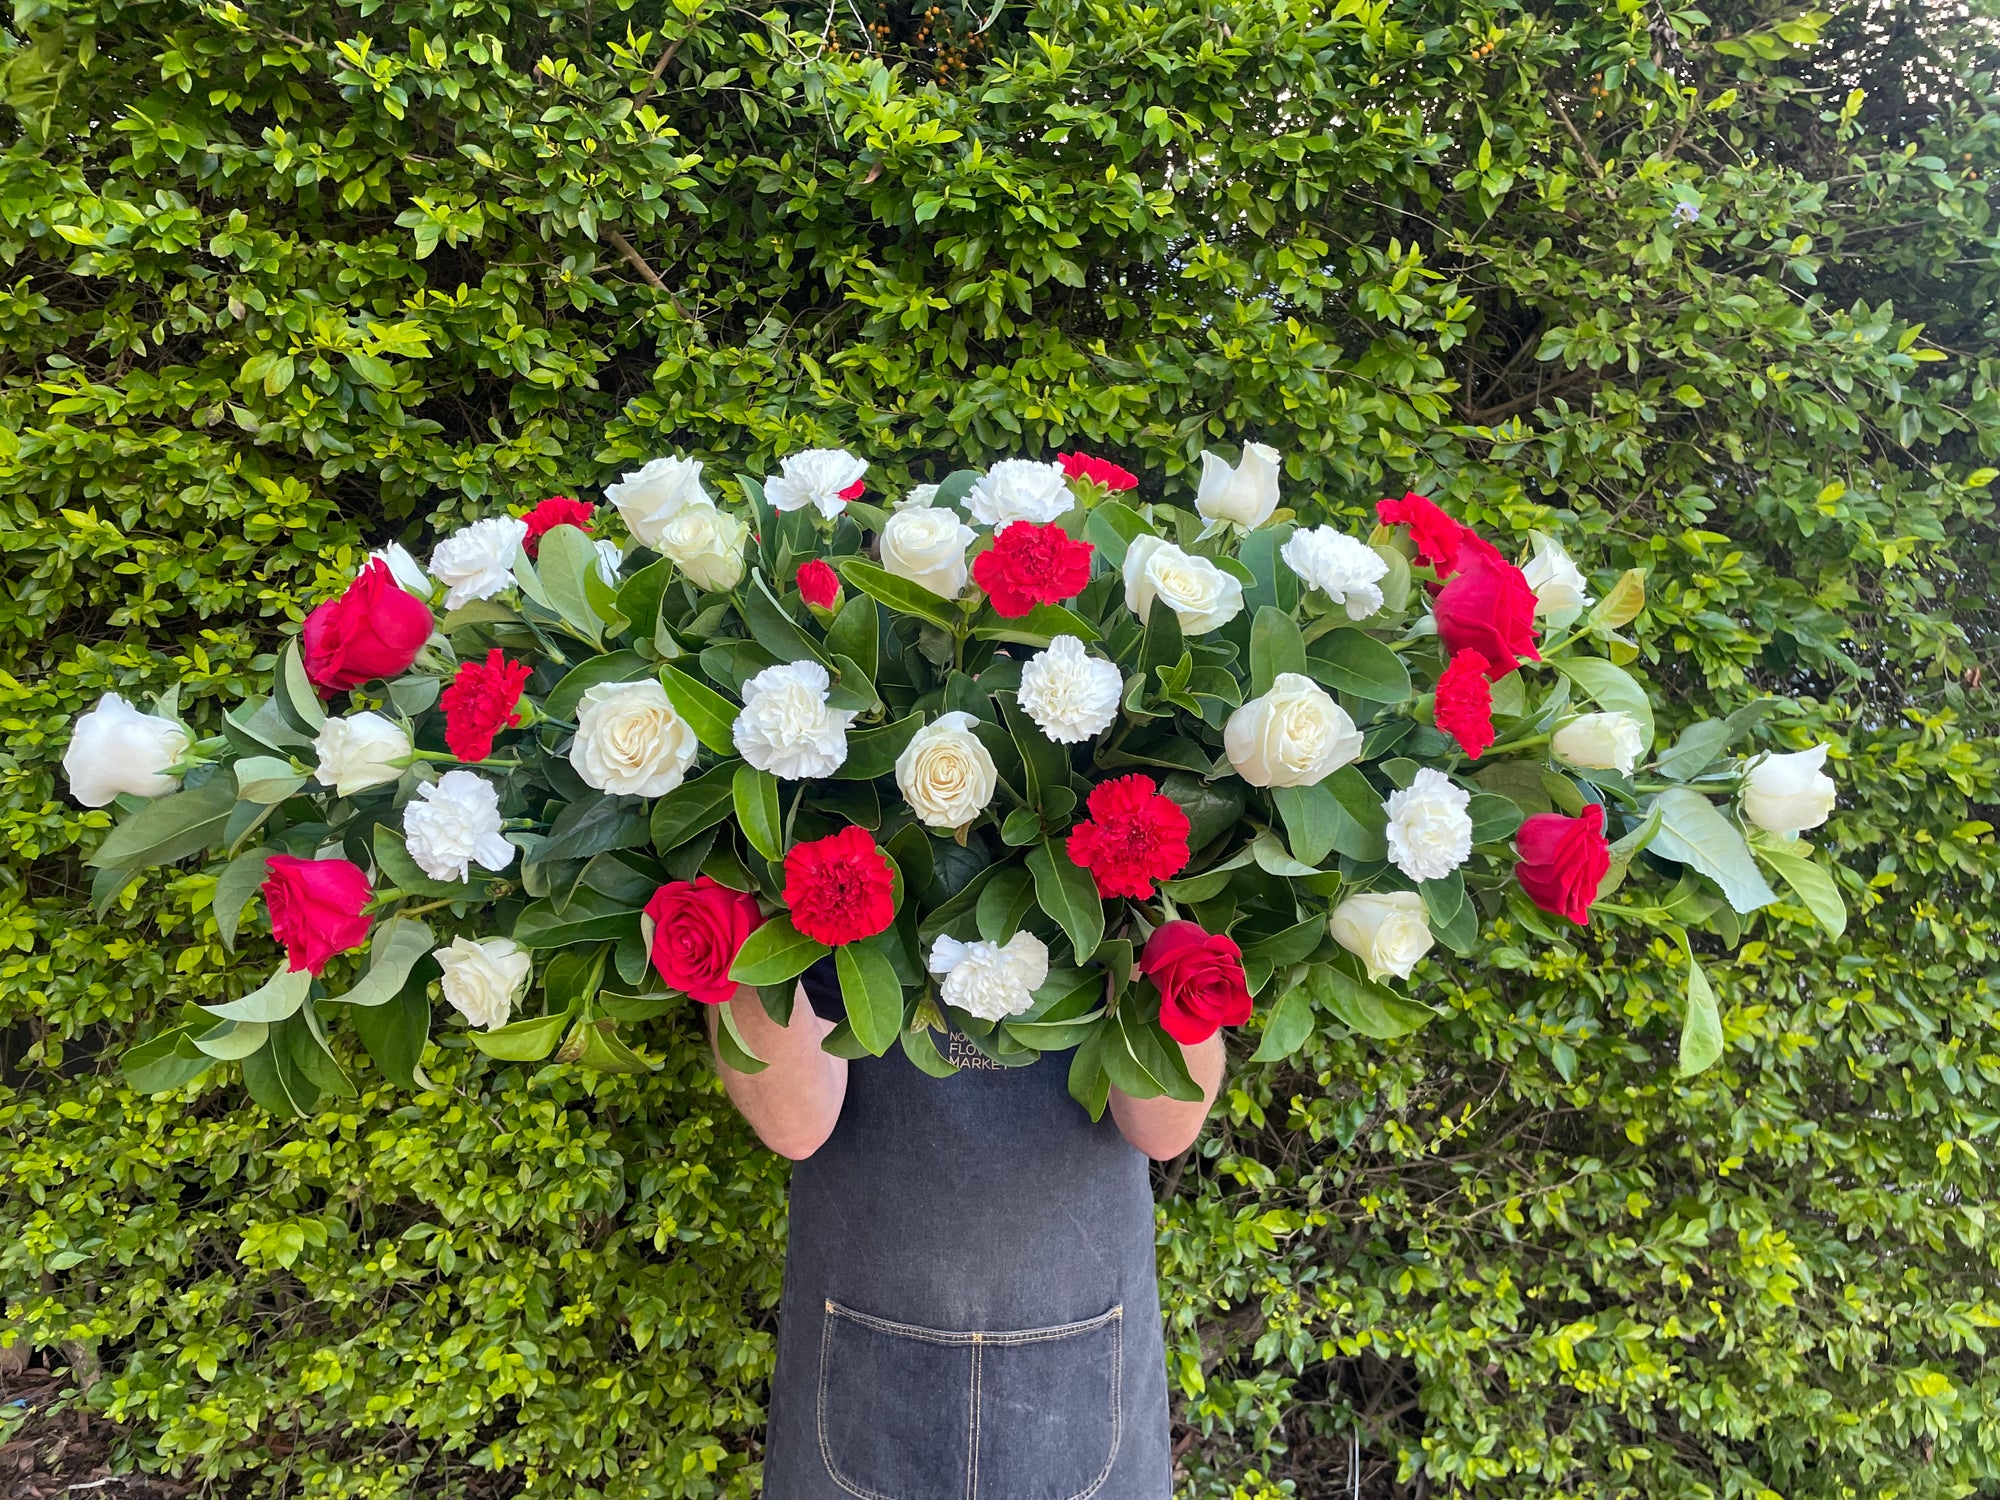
1525 742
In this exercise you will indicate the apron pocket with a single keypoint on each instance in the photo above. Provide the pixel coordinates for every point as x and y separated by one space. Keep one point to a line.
910 1413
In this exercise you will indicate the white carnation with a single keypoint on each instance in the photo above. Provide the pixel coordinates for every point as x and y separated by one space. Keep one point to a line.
630 741
360 751
452 822
483 980
945 774
1245 495
1561 591
989 980
1348 570
1071 695
654 495
1019 489
786 727
1430 832
477 561
115 749
815 477
1203 596
927 546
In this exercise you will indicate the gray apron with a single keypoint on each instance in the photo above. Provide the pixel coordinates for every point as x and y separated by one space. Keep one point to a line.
971 1308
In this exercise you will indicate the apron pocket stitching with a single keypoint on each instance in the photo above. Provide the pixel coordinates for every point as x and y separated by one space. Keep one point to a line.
1117 1410
826 1452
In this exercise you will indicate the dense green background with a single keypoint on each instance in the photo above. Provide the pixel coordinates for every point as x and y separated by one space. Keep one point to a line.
288 278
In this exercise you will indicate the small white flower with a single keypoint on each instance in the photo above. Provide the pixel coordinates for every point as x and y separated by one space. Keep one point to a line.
1601 742
483 980
786 728
1295 735
1561 591
1350 571
1071 695
452 822
115 749
359 751
1430 832
1019 489
408 571
707 545
654 495
1201 594
815 477
1789 793
610 558
927 546
919 497
477 561
1245 495
630 741
989 980
945 774
1388 931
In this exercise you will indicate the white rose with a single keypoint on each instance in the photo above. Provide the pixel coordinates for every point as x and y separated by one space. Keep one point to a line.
477 561
927 547
115 749
452 822
707 545
989 980
945 774
815 477
482 980
1561 591
1350 571
359 751
409 573
1387 931
1019 489
1295 735
1430 833
610 558
1195 589
630 741
1071 695
1601 742
1789 793
1245 495
654 495
920 496
786 728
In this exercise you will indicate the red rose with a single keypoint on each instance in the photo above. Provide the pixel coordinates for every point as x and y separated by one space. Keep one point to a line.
1436 534
1464 707
482 700
557 510
1200 979
698 926
375 629
1099 471
855 490
1563 861
1029 565
818 584
840 889
315 907
1487 608
1134 837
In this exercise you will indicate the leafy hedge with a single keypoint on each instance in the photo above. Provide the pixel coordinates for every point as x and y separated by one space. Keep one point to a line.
289 279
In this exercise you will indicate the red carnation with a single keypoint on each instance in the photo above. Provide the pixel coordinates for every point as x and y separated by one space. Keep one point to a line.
855 490
840 889
1437 535
698 927
557 510
1099 471
1563 861
1464 707
1488 608
1200 979
481 701
315 907
375 629
1134 837
818 584
1029 565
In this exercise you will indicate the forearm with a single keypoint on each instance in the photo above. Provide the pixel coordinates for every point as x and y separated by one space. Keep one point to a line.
1161 1127
793 1102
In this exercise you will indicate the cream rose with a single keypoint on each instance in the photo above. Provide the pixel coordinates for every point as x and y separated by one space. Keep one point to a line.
1071 695
477 561
630 741
1349 571
654 495
1201 594
1430 832
1789 793
1387 931
945 774
1019 489
1601 742
816 477
990 980
707 545
483 980
927 546
1245 495
115 749
453 821
786 728
1295 735
360 751
1561 591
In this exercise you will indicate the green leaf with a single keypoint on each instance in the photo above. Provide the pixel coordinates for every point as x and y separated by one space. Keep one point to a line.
899 594
1312 817
276 998
692 807
1352 661
1493 817
1814 886
265 779
1037 627
1289 946
166 1062
1274 859
773 628
710 715
395 947
1610 687
1142 1061
231 1041
590 917
563 558
1110 528
1699 744
1276 646
855 634
774 953
603 1051
1367 1007
871 992
639 596
596 825
1287 1026
1692 832
1701 1024
614 666
522 1041
1088 1083
395 1033
1069 896
297 699
920 1047
758 813
1004 903
1047 762
276 1076
873 752
234 888
408 877
730 1045
169 828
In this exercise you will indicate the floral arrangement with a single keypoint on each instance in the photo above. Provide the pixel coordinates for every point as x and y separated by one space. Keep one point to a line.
1032 759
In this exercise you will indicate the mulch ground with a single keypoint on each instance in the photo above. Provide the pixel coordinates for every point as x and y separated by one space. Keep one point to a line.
64 1455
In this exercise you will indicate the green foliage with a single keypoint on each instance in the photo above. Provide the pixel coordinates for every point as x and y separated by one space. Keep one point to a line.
288 280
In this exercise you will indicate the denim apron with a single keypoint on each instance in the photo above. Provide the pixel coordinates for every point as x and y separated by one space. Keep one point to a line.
971 1308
